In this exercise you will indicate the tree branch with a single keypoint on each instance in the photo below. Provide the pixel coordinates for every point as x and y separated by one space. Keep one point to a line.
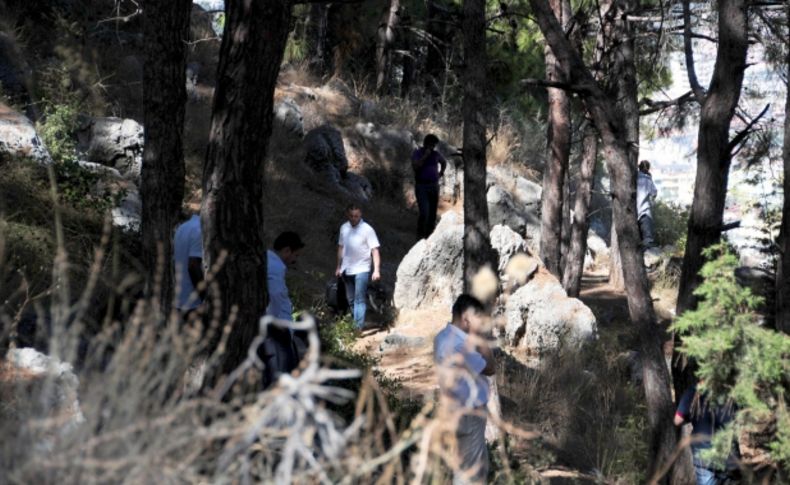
573 88
741 135
696 88
655 106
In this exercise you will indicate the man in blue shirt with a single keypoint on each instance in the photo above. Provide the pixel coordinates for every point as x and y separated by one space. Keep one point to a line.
706 418
464 360
188 261
279 351
429 166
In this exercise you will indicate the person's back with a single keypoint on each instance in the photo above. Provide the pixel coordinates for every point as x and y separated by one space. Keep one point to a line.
645 192
187 245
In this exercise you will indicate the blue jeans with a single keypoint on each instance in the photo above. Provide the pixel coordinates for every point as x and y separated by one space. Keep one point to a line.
427 203
357 293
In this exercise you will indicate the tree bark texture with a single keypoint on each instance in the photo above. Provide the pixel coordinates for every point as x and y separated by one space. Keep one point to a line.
608 121
783 270
386 38
559 149
166 31
572 276
713 146
232 214
317 27
477 244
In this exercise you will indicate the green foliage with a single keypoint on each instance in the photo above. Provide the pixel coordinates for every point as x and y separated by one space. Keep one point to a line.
60 122
671 224
739 361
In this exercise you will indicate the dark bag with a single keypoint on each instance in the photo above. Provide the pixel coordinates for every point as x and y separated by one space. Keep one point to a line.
336 295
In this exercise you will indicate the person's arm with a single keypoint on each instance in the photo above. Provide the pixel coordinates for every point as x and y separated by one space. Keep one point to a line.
485 350
376 264
443 165
684 407
339 260
195 269
653 190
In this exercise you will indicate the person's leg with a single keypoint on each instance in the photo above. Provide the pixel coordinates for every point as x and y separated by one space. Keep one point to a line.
360 298
472 450
433 206
348 282
646 231
421 194
705 476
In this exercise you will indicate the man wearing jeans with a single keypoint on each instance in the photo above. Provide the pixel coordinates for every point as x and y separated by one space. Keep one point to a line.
463 360
357 246
429 166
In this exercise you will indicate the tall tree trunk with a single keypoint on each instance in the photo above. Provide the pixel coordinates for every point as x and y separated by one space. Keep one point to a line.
232 215
572 276
317 27
166 30
714 154
408 56
386 37
477 243
608 121
783 271
559 149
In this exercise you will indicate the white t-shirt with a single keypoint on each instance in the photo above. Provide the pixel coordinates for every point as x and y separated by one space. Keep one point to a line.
357 244
188 244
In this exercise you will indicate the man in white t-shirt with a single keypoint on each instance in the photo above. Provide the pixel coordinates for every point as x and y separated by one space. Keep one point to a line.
357 246
188 259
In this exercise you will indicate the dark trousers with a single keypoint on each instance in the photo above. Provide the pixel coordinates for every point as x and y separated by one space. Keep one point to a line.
279 354
646 231
427 203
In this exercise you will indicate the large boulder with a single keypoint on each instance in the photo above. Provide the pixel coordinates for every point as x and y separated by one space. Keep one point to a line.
288 118
114 142
541 319
52 383
325 153
528 193
128 213
502 209
431 273
18 137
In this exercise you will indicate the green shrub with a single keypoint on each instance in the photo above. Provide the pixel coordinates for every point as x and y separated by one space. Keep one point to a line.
671 224
60 123
740 362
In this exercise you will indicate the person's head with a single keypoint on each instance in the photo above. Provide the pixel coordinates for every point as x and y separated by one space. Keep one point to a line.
644 166
430 141
468 313
288 246
353 214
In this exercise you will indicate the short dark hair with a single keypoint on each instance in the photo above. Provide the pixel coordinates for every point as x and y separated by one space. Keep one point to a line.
466 302
288 239
353 207
430 138
644 165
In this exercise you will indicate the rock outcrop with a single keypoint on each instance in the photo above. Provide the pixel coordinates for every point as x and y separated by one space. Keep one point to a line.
541 319
18 137
114 142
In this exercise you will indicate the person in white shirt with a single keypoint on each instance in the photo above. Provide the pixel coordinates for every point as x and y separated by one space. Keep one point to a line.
279 351
645 193
188 261
357 247
463 360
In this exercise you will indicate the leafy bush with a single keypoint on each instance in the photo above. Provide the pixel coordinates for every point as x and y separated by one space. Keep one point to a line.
671 224
740 362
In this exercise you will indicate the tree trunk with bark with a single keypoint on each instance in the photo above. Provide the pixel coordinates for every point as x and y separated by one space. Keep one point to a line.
572 276
714 154
386 38
166 31
559 149
783 270
232 215
316 33
608 121
477 244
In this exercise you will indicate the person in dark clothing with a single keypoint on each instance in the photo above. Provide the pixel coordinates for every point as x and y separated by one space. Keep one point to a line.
706 418
429 166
